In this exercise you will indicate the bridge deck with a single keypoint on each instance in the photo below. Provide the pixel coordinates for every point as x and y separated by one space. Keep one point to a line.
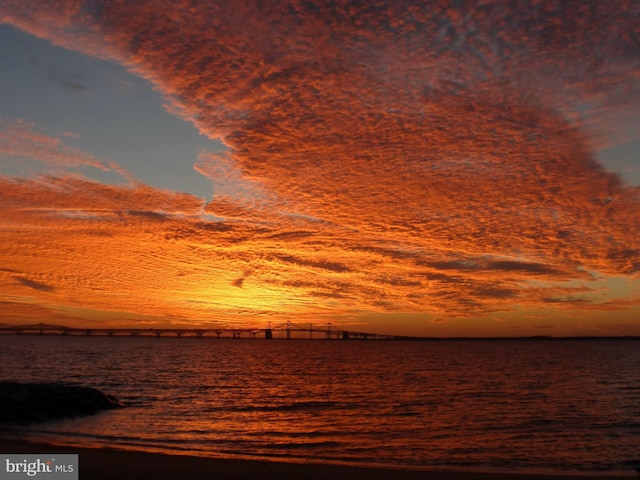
287 331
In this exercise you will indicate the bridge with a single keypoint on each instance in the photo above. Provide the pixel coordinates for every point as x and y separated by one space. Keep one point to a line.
286 330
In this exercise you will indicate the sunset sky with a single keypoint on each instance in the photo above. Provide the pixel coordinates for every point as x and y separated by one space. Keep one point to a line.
437 168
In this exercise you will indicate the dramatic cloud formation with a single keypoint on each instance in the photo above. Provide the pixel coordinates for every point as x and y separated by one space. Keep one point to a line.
384 158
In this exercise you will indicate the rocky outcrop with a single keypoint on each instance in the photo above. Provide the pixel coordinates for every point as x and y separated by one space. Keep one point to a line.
34 402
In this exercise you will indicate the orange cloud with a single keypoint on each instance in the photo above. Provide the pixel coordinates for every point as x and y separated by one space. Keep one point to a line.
19 139
382 158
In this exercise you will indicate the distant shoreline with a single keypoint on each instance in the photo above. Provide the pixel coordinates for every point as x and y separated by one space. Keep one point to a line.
145 333
286 331
113 464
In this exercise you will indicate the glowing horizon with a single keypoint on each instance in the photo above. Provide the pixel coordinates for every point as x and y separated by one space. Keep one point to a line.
397 168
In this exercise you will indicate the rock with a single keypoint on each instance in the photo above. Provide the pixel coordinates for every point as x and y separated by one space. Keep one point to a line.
34 402
21 395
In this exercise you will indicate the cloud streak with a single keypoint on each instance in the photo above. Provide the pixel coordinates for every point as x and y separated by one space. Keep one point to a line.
383 157
20 140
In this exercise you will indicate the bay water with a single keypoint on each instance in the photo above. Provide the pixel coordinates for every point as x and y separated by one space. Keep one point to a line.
488 405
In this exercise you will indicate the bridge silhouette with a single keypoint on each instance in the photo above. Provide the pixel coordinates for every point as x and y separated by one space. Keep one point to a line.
286 330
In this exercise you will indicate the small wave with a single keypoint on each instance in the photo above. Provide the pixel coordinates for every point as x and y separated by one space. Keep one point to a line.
289 407
301 445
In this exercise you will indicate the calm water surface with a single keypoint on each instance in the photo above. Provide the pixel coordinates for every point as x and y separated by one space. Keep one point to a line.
489 405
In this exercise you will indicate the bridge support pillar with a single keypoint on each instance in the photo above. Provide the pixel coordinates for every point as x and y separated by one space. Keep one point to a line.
345 335
268 334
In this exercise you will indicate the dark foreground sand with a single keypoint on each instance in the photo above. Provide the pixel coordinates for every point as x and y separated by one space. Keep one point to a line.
103 464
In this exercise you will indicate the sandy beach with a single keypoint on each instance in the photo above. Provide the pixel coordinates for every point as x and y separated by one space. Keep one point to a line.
112 464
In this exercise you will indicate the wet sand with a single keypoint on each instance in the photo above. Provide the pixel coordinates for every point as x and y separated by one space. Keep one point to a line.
111 464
